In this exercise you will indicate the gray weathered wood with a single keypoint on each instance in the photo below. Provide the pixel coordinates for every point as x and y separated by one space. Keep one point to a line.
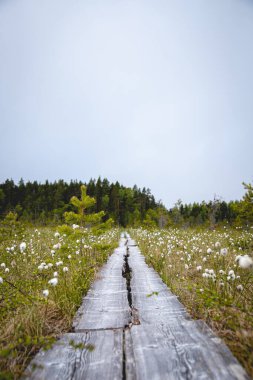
68 361
145 283
168 344
153 339
106 305
164 352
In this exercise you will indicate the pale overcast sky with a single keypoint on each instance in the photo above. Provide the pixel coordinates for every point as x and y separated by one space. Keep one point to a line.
157 93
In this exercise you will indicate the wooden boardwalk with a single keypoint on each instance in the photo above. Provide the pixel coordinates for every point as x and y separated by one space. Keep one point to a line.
131 327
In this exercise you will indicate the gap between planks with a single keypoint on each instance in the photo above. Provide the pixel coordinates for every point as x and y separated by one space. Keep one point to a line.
167 344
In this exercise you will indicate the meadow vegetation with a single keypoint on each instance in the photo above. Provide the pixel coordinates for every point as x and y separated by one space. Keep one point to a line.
52 246
44 273
211 271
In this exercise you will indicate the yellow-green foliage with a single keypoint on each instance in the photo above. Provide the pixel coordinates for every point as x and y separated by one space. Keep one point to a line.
80 216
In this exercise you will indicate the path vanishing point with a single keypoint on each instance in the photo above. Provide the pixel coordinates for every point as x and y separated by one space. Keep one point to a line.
131 327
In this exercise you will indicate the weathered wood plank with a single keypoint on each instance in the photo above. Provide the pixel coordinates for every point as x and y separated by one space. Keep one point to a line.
130 366
106 304
166 344
150 296
162 352
70 360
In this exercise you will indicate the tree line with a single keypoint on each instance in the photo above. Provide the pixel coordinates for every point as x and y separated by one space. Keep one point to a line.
47 202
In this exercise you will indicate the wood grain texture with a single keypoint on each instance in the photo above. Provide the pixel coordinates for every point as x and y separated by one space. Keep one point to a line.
106 305
65 361
164 352
151 297
154 339
168 344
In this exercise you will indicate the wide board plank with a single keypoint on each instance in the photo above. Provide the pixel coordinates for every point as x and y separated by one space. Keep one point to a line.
150 296
91 355
168 344
162 352
105 305
131 327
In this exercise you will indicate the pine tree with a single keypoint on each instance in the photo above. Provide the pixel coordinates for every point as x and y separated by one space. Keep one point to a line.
81 216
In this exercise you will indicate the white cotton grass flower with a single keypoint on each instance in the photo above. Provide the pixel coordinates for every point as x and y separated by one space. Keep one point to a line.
55 274
45 293
7 270
231 274
53 281
57 235
217 244
209 273
69 256
222 271
42 266
199 268
245 261
22 247
1 280
65 269
75 226
239 287
223 251
57 246
59 263
3 265
208 251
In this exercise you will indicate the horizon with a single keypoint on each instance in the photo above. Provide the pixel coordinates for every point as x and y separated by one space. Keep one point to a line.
216 196
153 93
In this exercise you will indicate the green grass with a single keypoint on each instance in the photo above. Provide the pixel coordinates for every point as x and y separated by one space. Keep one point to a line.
30 319
181 258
